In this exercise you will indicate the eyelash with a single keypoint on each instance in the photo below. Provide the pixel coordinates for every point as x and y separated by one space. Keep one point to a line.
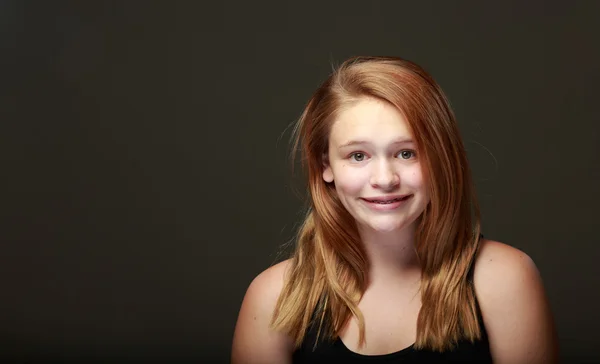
351 156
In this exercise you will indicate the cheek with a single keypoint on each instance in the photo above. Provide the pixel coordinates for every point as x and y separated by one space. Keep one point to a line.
413 178
349 181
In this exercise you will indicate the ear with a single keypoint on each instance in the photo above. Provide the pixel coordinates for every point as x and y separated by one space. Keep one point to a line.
327 172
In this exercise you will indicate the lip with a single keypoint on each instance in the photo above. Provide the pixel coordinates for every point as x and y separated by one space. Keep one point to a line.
388 206
384 198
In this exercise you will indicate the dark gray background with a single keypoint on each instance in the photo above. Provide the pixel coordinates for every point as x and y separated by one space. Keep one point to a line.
143 154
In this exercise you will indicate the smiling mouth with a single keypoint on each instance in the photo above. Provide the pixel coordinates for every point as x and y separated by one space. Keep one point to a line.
387 202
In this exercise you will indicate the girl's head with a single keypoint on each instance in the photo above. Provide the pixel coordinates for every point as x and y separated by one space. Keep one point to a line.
380 128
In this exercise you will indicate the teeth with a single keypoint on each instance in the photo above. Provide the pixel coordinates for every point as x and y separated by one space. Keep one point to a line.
388 201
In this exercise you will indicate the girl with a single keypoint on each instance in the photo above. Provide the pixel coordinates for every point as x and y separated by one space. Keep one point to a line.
390 265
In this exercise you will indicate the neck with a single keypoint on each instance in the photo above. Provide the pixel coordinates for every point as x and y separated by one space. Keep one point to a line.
392 257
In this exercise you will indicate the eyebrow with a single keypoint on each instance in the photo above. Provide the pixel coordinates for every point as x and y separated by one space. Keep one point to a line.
363 142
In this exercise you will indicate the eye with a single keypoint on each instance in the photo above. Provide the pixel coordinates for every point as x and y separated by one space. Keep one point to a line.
406 154
358 156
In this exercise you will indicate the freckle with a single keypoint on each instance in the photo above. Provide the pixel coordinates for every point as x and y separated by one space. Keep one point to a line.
254 318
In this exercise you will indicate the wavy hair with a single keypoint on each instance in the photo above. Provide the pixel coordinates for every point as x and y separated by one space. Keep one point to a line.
327 272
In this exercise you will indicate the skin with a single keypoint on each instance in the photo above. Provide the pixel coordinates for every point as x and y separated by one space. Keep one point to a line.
372 154
384 163
508 285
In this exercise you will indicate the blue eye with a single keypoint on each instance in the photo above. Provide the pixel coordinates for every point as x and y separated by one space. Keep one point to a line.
406 154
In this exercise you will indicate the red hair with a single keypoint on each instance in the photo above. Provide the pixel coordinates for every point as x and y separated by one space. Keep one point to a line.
327 268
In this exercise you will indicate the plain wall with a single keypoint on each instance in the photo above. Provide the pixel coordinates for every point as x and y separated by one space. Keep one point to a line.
144 171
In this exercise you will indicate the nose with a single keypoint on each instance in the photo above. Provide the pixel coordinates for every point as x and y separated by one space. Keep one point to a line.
384 175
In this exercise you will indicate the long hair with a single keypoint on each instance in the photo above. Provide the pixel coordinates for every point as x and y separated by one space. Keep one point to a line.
327 272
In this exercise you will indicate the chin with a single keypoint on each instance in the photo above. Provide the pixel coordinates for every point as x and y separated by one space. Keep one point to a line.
385 228
389 224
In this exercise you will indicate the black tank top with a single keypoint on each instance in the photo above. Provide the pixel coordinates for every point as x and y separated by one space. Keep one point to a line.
336 352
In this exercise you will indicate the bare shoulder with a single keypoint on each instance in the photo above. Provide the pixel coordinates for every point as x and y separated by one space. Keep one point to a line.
268 283
514 305
496 259
253 340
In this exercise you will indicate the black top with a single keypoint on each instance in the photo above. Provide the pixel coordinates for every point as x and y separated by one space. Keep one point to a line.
336 352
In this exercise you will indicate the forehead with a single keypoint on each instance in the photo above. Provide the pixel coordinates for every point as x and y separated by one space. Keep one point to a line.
369 119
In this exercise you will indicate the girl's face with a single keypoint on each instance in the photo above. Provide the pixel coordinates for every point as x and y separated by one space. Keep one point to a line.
373 162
